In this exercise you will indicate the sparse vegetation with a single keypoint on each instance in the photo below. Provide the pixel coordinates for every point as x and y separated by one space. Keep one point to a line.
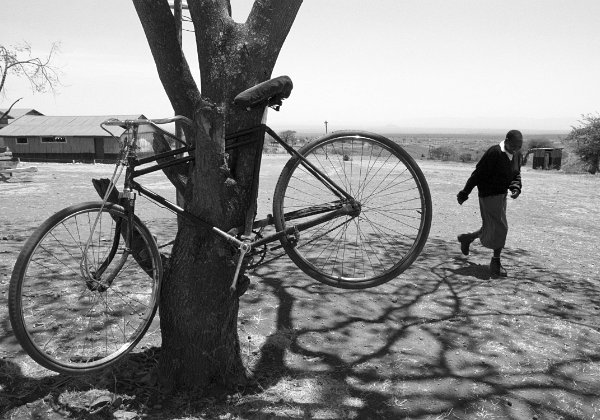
288 136
442 153
584 140
465 157
457 147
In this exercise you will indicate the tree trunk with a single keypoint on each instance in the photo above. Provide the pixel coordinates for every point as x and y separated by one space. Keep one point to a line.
198 313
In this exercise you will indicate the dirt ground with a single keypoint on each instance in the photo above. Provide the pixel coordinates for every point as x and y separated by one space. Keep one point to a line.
442 341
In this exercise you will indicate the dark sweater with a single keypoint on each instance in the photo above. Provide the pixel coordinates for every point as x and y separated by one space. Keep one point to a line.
495 173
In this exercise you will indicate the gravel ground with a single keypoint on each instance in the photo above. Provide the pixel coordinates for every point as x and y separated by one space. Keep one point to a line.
443 340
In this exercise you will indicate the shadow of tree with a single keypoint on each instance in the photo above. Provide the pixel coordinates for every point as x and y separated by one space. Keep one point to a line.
478 271
443 340
132 382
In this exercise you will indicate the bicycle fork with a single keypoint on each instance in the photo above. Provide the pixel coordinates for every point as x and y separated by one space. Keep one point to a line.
93 277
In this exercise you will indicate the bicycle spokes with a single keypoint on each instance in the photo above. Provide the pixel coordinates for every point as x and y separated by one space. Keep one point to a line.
377 232
74 320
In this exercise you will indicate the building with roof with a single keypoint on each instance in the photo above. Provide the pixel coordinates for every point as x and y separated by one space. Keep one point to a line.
41 138
14 114
545 157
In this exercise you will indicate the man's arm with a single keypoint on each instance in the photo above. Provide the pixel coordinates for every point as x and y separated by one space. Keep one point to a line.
481 171
516 185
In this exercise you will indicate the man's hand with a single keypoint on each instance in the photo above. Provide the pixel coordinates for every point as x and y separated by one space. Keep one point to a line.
461 197
514 193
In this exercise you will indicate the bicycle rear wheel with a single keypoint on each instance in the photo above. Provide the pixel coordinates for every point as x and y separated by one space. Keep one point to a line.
67 316
360 250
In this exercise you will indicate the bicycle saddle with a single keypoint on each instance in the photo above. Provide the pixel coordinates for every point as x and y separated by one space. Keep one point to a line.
268 93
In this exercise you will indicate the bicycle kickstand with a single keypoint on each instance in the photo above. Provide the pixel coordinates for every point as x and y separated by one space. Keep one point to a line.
244 248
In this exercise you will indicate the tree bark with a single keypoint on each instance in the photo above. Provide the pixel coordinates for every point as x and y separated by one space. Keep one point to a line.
198 312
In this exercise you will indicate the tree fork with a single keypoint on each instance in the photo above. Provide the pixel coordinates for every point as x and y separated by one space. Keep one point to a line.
197 310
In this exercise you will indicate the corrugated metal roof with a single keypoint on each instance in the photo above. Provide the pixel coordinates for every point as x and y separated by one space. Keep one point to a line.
19 112
34 125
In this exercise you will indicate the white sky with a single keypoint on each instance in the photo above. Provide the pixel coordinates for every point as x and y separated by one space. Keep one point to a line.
474 64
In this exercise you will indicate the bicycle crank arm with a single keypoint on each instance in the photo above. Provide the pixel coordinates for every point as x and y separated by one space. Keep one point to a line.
228 237
244 249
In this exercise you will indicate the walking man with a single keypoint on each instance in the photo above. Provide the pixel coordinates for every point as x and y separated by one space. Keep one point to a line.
497 172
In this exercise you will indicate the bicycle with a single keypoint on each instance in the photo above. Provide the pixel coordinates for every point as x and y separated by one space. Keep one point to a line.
351 209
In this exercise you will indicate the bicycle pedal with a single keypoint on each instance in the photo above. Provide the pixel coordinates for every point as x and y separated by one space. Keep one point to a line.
293 238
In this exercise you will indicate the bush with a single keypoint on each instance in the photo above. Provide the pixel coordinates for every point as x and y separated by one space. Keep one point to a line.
585 142
465 157
443 153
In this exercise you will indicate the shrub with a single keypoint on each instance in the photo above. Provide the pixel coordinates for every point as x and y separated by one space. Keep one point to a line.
442 153
585 142
465 157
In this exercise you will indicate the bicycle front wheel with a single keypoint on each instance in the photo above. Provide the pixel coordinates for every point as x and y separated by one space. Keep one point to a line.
77 314
365 248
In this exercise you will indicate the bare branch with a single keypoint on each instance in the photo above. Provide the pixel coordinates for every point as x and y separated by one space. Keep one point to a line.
39 72
9 108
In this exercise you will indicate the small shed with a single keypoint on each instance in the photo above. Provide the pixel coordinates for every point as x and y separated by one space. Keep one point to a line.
545 157
36 138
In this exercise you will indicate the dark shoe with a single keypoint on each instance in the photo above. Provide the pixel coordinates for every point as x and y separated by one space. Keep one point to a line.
496 269
465 240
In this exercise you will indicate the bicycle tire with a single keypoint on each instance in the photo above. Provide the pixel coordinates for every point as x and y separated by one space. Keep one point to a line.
388 234
71 325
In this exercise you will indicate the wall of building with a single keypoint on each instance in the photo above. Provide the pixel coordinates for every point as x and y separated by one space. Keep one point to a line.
547 159
74 148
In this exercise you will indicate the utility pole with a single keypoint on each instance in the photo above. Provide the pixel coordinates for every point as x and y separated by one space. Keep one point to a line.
326 157
177 7
178 15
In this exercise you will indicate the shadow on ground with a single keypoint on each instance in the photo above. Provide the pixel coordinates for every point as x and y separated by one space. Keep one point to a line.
441 341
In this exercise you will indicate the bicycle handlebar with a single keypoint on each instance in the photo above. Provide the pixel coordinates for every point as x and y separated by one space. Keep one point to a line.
130 123
126 124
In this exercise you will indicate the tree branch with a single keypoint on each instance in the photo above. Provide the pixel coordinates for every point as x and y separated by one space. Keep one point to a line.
242 51
173 70
211 21
9 108
159 26
40 73
273 19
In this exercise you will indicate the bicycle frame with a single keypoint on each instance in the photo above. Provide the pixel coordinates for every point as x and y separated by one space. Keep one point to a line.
350 242
329 211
